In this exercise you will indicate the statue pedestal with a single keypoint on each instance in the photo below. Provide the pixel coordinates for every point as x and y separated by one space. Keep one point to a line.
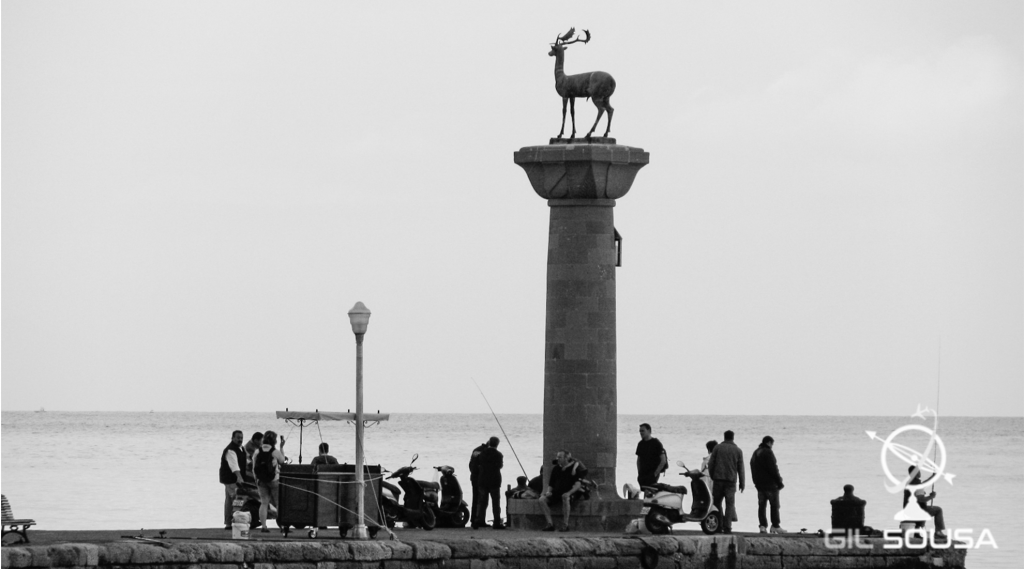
581 183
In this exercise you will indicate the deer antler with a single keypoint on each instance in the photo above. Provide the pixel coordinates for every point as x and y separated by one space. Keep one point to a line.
564 39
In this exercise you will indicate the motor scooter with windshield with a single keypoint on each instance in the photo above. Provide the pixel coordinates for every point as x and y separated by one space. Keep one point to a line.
418 507
663 504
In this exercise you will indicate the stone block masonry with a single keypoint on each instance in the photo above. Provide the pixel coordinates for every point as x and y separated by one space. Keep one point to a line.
479 551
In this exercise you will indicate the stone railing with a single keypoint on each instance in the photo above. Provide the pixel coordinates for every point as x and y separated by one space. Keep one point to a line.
625 552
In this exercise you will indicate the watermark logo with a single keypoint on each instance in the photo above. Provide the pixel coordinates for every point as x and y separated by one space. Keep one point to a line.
918 459
931 459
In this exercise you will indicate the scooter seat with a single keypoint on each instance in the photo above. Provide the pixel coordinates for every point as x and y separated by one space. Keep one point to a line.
673 489
427 485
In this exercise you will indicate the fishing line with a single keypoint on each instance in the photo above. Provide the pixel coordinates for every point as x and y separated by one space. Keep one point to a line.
500 427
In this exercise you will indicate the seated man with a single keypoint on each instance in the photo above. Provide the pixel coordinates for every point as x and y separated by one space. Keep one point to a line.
934 511
566 480
324 458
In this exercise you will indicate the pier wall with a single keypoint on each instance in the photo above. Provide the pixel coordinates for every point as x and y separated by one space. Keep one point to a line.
625 552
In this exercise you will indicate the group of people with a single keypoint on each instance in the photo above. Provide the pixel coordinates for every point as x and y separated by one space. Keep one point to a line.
565 484
257 463
724 467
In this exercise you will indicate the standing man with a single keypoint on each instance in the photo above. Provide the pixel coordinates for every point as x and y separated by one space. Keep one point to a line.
474 482
489 463
764 471
232 461
651 459
725 464
566 480
250 449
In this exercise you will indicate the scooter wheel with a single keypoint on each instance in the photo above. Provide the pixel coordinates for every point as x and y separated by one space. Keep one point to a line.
461 517
654 525
429 520
712 524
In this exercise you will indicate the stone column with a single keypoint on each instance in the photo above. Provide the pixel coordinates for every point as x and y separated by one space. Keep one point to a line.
581 183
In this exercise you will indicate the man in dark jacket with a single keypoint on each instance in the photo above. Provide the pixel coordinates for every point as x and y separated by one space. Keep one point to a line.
474 482
232 461
488 480
764 470
724 465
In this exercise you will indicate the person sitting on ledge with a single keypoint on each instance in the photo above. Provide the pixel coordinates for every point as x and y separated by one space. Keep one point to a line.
566 480
935 512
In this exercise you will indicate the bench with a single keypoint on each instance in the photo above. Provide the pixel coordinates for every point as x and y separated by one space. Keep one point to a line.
12 525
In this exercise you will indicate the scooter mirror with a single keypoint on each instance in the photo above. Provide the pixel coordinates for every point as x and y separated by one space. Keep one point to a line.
680 463
414 457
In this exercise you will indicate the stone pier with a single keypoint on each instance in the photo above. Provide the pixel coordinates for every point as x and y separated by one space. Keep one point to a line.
462 549
581 183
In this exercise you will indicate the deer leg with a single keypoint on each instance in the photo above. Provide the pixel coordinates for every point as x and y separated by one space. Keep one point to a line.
561 132
572 111
611 111
600 112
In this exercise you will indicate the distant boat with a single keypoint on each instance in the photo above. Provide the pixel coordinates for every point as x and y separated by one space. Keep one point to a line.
41 410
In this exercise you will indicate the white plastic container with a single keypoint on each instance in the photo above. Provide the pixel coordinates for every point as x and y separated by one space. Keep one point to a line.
239 531
240 525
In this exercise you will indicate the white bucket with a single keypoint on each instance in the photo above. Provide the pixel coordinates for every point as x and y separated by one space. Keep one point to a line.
239 531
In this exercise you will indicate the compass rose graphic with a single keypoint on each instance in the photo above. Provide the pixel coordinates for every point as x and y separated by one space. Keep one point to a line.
913 457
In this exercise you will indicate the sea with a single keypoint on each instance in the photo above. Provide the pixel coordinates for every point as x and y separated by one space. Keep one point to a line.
129 471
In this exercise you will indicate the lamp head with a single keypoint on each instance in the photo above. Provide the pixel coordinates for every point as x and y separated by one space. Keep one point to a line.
359 316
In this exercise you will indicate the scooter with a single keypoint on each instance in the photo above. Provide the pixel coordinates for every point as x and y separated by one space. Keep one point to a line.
453 511
417 509
663 505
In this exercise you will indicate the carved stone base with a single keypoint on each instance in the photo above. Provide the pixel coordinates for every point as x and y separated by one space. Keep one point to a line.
586 515
584 140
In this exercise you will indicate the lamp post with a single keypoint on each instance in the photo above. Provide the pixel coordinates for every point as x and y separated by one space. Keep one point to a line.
359 316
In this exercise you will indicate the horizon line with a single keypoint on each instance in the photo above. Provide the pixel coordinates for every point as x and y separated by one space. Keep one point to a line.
43 410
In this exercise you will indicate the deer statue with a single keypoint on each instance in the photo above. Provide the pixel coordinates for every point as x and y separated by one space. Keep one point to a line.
596 85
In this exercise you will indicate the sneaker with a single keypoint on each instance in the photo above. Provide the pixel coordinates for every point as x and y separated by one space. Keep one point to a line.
564 528
762 529
726 530
498 525
227 526
778 529
548 527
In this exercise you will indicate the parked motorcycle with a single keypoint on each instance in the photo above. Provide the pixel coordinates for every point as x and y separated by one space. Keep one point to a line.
418 507
664 505
453 511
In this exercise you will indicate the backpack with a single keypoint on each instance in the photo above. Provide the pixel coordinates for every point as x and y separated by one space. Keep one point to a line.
263 468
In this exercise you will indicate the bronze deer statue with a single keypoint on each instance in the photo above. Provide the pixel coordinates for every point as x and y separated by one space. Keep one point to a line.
596 85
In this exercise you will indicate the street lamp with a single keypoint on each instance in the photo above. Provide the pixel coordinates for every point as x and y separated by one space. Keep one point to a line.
359 316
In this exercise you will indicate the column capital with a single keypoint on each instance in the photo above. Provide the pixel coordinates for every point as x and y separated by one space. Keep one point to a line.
581 171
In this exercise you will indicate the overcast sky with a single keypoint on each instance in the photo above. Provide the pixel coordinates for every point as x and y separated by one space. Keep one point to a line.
195 193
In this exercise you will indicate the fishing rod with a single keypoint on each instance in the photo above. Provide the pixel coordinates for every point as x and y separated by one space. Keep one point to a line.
500 427
938 392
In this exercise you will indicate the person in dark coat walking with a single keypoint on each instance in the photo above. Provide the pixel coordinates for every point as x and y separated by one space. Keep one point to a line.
488 479
474 482
764 470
